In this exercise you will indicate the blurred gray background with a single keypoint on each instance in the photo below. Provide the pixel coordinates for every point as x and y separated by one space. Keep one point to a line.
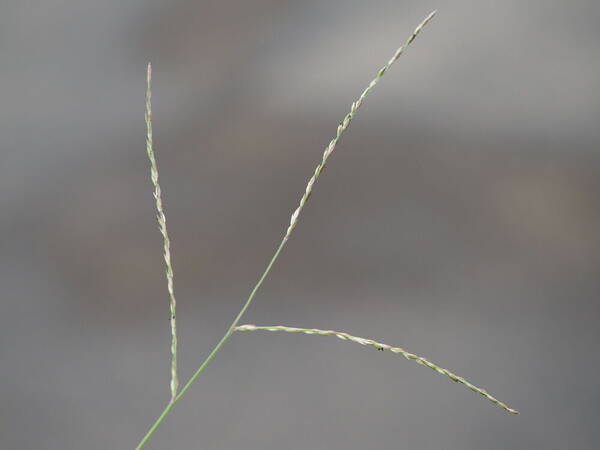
458 218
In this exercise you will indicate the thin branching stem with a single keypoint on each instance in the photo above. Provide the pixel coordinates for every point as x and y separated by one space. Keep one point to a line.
293 222
162 225
381 346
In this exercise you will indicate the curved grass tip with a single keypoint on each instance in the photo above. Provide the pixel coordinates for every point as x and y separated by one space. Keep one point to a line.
380 346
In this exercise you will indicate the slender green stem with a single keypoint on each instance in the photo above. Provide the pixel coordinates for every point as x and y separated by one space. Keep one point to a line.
231 328
162 225
293 222
381 346
215 350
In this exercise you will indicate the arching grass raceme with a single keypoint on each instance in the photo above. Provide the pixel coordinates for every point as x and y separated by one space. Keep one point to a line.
344 124
381 346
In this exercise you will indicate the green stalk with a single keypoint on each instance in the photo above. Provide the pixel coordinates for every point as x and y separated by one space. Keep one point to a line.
293 222
215 350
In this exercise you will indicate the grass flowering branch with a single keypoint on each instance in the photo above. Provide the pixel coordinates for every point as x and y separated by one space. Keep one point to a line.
381 346
162 225
344 124
293 222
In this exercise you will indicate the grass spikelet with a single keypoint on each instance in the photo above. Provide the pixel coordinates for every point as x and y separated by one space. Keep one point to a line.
380 346
162 225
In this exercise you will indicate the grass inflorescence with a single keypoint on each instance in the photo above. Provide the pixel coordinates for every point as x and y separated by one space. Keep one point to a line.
346 121
162 225
343 125
380 346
